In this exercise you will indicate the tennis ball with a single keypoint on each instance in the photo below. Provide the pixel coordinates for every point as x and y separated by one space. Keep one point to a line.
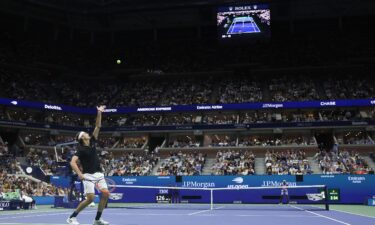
118 61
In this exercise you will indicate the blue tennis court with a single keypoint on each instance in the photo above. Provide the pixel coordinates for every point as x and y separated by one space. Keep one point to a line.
222 215
244 24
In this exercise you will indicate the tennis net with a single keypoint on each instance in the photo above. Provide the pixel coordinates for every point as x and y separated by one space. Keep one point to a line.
312 197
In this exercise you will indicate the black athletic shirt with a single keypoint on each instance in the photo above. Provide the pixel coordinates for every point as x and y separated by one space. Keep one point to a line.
88 157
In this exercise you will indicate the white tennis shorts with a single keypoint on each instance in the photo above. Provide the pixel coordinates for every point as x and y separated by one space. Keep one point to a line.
93 181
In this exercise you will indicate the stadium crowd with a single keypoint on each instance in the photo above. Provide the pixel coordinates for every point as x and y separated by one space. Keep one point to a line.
172 91
182 164
43 159
342 162
232 162
184 142
131 142
27 187
239 90
128 163
222 140
285 140
292 162
8 163
247 117
281 89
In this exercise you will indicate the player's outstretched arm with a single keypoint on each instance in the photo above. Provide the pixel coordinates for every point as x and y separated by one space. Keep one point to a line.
98 122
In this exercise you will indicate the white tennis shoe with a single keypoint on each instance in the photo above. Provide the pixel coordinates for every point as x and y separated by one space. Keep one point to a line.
100 222
72 221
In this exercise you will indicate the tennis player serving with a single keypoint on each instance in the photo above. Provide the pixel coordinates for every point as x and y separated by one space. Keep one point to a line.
284 191
91 174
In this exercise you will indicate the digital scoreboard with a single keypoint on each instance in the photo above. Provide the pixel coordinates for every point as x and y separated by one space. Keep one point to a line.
163 198
241 22
334 194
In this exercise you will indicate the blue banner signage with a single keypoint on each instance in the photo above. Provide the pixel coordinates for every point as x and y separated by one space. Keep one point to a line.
191 108
45 106
349 189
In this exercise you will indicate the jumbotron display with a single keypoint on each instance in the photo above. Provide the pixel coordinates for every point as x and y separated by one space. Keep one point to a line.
243 22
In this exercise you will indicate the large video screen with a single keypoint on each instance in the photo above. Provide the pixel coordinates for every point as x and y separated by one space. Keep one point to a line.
244 22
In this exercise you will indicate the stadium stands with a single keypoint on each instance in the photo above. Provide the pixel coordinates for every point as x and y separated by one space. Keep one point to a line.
292 162
293 68
343 162
234 163
172 91
128 164
180 163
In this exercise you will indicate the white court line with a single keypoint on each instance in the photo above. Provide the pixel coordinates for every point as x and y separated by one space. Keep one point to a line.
356 214
202 211
39 223
40 215
292 216
33 212
43 213
320 215
194 213
17 217
218 215
145 214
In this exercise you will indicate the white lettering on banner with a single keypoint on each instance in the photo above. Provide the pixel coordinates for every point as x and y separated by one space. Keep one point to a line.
4 204
54 107
116 196
145 109
203 107
14 102
13 123
268 105
110 110
163 191
238 180
242 8
166 177
195 184
327 176
152 109
372 102
208 107
272 183
359 123
328 103
129 180
237 186
356 180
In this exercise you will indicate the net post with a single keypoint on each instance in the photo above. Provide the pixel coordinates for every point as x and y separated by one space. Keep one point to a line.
211 199
326 198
